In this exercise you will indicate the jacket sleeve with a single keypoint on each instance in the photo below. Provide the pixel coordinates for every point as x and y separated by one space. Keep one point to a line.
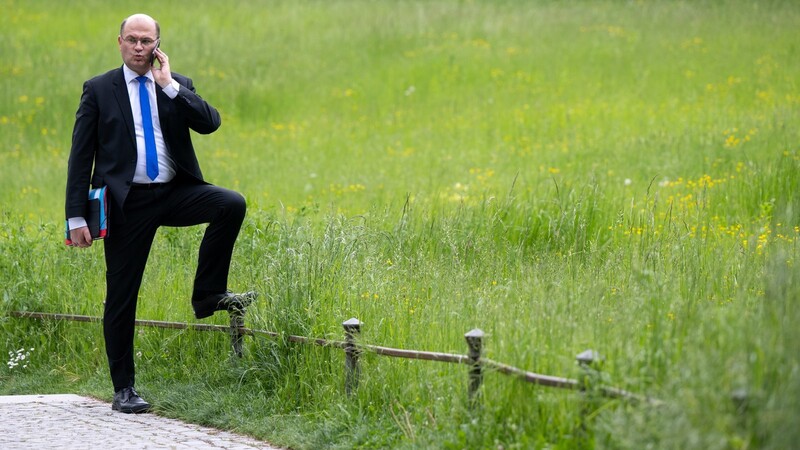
199 115
82 153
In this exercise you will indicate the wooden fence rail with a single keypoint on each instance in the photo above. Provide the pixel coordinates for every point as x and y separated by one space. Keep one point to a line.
353 349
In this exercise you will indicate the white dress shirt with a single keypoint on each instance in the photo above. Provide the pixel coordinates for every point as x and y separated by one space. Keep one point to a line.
166 170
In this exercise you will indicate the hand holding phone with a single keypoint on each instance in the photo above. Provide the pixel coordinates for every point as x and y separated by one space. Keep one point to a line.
161 73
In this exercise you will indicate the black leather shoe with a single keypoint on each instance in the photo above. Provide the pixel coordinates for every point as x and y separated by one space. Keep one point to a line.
227 301
128 401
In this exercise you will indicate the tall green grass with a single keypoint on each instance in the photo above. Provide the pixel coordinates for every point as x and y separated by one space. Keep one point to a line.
619 176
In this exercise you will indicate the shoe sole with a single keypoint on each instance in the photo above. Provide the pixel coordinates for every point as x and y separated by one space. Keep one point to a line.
138 410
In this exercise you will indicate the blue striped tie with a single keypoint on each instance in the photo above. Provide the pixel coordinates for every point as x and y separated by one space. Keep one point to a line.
147 125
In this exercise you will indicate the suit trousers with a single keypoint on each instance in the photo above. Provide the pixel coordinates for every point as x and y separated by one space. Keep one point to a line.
128 247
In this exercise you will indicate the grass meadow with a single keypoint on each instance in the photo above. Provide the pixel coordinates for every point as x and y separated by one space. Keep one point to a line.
611 175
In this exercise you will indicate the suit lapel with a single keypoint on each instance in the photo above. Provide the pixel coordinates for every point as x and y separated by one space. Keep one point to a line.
165 110
124 102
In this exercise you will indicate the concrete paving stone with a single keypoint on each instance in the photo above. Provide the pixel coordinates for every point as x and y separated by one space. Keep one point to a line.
67 421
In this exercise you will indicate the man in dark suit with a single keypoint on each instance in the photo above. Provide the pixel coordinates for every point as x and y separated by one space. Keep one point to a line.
132 135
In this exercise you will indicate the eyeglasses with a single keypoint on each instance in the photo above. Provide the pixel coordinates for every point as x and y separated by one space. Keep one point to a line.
146 42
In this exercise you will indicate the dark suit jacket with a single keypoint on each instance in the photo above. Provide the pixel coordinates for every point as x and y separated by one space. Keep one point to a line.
104 141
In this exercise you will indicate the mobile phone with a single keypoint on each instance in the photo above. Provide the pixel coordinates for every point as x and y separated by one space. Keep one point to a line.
153 54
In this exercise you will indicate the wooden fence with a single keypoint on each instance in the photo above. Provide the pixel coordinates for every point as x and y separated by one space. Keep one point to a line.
588 360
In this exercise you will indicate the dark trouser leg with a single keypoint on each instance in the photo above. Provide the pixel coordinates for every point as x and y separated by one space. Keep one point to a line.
129 244
224 211
126 251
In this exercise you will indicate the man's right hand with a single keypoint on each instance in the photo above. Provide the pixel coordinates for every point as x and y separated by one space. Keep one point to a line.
80 237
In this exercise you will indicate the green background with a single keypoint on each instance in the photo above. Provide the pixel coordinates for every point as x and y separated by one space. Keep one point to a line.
613 175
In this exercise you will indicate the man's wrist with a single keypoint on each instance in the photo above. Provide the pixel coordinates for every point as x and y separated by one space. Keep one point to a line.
171 89
76 222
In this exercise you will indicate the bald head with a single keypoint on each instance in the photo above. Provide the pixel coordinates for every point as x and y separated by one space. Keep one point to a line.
139 19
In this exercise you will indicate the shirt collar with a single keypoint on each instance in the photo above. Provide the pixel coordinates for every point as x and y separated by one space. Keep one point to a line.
130 75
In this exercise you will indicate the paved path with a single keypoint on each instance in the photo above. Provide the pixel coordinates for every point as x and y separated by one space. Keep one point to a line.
74 422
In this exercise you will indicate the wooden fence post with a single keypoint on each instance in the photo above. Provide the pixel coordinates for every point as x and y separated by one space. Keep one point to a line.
739 398
589 362
237 323
475 342
741 403
352 328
